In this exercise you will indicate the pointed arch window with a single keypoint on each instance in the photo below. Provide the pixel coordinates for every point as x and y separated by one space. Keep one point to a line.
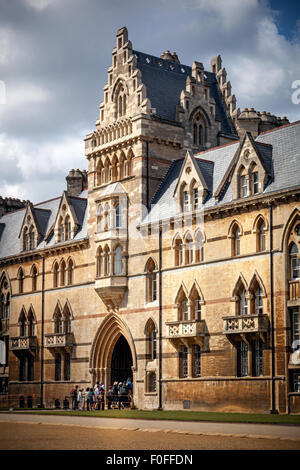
21 280
118 216
199 251
243 302
58 322
236 240
118 260
31 238
151 279
55 274
30 324
99 259
183 313
3 306
261 235
178 251
195 307
189 250
198 130
63 273
294 262
67 228
106 261
34 275
22 324
70 269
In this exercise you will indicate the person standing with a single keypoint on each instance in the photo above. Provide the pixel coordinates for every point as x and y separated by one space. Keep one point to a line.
74 395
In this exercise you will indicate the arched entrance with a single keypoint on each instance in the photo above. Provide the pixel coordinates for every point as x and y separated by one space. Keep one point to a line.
121 361
113 355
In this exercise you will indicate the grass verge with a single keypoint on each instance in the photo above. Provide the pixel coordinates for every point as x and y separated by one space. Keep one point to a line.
176 415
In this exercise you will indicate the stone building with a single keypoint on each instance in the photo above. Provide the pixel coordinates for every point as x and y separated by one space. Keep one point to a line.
174 260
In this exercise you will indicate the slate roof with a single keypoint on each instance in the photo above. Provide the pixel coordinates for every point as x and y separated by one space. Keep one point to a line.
45 213
165 80
281 156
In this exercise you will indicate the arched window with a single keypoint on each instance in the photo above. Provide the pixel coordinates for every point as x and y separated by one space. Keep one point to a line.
150 340
34 275
199 252
254 180
178 251
118 216
22 324
58 322
30 324
99 258
67 228
67 319
195 306
31 238
195 198
242 182
235 245
55 274
21 280
294 262
25 239
3 306
183 314
118 260
70 270
151 276
61 230
106 261
188 249
242 302
198 130
62 273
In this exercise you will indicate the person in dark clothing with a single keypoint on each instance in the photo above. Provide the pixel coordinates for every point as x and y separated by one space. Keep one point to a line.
110 397
115 394
74 396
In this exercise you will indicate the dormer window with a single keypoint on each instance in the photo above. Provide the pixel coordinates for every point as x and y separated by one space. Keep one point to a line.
195 198
243 181
255 184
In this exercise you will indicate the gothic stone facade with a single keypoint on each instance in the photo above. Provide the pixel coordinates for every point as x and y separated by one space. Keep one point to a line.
174 259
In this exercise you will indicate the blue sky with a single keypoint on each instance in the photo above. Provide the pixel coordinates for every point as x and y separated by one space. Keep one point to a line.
54 56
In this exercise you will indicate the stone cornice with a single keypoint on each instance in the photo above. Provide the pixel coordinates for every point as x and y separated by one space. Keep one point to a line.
24 257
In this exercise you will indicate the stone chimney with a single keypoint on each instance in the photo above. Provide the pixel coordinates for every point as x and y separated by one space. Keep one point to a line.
76 182
9 204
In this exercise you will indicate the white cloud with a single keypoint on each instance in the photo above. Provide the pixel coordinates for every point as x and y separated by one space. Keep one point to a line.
37 172
39 4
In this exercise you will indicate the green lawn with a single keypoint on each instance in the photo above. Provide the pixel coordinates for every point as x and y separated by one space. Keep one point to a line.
177 415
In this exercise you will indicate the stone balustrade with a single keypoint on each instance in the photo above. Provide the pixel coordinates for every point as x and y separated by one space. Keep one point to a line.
254 323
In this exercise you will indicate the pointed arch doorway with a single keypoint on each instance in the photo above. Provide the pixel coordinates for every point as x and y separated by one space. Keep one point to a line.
113 356
121 361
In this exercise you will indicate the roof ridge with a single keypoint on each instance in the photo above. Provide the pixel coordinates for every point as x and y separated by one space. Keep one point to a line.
280 127
217 147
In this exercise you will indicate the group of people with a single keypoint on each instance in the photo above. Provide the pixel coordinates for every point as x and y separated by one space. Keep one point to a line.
119 395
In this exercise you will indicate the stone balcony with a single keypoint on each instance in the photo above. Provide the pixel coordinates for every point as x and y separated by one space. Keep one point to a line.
57 342
248 325
294 293
111 289
186 332
23 345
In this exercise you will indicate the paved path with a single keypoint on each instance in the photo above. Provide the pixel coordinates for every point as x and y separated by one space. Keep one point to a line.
190 427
